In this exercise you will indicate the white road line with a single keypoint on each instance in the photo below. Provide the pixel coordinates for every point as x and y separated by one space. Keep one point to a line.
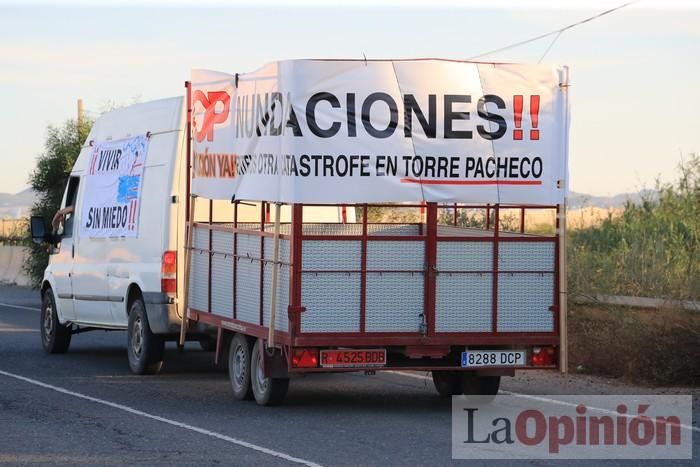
536 398
21 307
410 375
18 330
140 413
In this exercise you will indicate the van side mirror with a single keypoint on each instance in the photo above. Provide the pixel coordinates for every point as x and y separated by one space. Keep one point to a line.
39 230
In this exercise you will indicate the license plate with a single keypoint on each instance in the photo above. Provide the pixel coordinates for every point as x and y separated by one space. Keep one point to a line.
473 358
353 358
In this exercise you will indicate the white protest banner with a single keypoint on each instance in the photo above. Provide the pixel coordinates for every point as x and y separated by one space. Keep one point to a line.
332 131
113 188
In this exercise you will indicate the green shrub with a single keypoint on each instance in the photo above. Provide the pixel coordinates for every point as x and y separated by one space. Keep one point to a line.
651 250
49 180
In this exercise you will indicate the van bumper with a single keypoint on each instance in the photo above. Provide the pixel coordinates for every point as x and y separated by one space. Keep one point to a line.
163 317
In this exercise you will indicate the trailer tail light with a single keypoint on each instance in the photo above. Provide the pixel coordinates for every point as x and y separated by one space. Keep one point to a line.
168 273
305 358
543 356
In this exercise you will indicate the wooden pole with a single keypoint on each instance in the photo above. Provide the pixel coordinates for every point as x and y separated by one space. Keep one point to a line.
275 274
81 112
563 291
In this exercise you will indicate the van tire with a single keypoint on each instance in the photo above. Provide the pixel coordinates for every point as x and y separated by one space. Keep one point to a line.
239 367
145 349
267 391
55 337
447 383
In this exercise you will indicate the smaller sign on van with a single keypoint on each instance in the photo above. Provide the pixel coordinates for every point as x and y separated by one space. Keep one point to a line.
113 188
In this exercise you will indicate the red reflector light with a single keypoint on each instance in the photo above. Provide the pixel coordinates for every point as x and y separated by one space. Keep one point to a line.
168 286
169 264
543 356
305 358
168 272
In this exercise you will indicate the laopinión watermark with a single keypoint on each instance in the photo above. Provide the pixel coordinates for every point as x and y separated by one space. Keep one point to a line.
572 427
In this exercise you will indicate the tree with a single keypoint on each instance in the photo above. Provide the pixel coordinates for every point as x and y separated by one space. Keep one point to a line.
49 180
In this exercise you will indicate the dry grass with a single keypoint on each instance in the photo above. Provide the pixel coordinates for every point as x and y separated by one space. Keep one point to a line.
14 231
648 346
12 227
575 218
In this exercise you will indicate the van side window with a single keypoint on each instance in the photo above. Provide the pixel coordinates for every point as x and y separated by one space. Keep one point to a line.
71 198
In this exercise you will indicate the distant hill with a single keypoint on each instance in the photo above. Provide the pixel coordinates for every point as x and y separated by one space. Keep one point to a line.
16 205
582 200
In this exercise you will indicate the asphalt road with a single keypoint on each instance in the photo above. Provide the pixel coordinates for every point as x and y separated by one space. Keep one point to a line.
85 408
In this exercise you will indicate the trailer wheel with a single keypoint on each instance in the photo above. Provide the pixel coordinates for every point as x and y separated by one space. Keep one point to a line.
55 337
267 391
145 349
474 385
239 367
489 385
447 383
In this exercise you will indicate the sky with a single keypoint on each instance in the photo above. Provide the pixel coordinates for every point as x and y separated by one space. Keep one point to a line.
635 74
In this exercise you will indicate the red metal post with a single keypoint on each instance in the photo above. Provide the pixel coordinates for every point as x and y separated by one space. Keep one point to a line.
211 255
522 220
188 156
557 270
363 270
488 217
295 307
188 221
430 267
235 257
264 212
454 216
494 291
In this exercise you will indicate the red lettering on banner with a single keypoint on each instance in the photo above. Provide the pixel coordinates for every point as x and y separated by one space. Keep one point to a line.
521 427
211 116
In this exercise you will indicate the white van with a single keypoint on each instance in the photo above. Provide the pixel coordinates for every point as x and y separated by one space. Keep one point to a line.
121 282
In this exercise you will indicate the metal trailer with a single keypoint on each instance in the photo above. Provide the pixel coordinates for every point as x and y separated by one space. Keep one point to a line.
468 304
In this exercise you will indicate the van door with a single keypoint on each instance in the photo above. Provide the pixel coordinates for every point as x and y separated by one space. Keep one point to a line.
62 257
90 286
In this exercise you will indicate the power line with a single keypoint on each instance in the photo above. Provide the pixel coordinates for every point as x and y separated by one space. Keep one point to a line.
558 32
551 44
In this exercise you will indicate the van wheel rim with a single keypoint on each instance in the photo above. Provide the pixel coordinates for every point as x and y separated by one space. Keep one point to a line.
48 320
137 338
240 366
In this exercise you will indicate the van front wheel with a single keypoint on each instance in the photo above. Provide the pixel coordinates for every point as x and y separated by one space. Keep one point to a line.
145 349
55 337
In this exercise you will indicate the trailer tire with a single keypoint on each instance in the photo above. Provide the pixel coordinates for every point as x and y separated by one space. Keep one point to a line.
145 349
55 337
489 385
239 367
447 383
267 391
475 385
